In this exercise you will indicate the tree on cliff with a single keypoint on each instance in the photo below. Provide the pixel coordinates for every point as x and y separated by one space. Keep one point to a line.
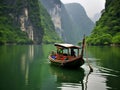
107 29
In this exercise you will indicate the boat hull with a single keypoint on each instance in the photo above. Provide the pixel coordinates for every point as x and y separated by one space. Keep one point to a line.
72 63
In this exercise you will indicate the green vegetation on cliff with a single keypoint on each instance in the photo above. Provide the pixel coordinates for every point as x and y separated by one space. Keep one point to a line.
9 30
32 16
107 29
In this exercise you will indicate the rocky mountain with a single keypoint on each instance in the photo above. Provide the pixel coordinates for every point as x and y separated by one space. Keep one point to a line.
71 30
81 22
107 29
54 8
22 21
96 17
60 19
17 24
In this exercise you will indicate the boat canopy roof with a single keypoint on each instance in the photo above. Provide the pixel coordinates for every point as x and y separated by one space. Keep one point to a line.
66 45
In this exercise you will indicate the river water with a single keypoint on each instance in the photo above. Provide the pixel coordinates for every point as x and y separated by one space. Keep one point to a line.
26 67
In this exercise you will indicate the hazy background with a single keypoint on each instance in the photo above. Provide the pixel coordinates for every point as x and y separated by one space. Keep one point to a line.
92 7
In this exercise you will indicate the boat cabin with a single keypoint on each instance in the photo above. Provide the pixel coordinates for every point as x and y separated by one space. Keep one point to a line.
67 50
67 55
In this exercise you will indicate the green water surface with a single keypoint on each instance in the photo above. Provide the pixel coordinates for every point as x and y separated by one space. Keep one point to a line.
26 67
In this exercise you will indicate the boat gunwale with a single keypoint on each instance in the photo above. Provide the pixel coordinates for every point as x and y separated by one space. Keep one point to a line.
64 61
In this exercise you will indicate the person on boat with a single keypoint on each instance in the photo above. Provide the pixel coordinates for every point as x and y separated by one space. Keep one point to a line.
59 50
73 53
53 55
59 53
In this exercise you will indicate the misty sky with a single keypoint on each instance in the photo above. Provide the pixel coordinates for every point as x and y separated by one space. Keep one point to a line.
91 6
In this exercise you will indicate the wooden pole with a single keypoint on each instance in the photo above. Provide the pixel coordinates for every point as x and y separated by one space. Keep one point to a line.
83 45
91 69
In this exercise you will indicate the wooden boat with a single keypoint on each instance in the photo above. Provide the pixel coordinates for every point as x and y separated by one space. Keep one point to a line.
65 55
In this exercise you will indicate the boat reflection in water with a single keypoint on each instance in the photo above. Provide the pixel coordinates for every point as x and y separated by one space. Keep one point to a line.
68 78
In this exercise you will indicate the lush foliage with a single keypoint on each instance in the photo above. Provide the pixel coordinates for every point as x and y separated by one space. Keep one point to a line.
10 32
107 29
9 27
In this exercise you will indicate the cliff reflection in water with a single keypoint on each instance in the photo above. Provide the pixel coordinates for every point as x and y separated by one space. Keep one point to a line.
31 65
26 59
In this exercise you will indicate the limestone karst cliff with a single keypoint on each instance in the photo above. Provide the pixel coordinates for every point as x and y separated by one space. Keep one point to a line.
60 18
54 9
22 21
71 31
